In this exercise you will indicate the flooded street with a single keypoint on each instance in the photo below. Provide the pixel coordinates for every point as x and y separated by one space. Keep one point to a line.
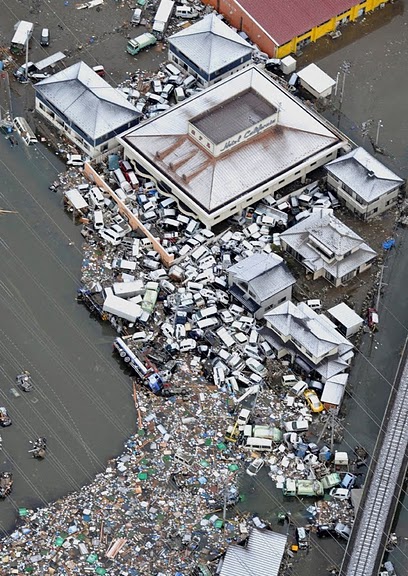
81 401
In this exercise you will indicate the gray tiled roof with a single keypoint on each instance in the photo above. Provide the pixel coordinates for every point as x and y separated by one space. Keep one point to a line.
364 174
266 274
87 100
262 556
314 332
323 229
210 44
214 182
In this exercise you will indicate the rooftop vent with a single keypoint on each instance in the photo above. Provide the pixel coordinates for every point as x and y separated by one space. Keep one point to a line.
370 174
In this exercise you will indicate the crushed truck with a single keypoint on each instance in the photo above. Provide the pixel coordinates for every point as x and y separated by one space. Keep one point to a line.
135 45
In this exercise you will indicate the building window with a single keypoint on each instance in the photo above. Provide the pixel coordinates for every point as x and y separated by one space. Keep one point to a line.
208 145
313 164
281 181
328 155
192 131
282 300
347 276
329 277
298 172
104 147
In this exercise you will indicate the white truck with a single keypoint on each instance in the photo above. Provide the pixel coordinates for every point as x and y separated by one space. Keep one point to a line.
162 16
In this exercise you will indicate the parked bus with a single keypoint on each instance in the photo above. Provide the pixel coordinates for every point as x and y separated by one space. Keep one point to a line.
22 35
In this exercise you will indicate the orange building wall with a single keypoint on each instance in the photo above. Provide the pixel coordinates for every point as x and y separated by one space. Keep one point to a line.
239 19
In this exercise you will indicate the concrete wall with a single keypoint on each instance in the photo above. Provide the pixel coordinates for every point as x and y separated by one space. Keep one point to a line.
134 222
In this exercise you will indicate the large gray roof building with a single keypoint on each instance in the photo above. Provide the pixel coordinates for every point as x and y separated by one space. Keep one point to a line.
210 50
84 106
232 144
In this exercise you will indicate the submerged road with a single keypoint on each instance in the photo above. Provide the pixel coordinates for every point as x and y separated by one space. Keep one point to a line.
82 400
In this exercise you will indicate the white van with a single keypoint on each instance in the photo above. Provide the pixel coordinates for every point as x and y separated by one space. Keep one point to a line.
189 81
172 69
186 12
98 219
133 181
253 337
314 304
298 388
167 203
207 323
179 94
119 176
289 380
219 376
205 313
187 344
95 197
259 444
225 337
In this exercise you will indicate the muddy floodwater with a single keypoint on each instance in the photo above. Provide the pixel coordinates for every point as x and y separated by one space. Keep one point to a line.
81 400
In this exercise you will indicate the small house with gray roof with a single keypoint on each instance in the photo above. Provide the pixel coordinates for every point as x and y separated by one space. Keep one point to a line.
327 248
209 50
363 184
85 108
260 282
310 339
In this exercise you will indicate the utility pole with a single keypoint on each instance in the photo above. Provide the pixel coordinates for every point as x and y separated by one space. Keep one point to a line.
26 62
341 96
380 285
379 125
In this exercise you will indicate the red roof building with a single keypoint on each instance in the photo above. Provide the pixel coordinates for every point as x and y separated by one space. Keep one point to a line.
282 27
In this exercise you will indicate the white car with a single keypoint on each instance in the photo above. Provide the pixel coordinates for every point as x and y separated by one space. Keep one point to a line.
226 316
256 367
297 426
255 466
74 160
340 493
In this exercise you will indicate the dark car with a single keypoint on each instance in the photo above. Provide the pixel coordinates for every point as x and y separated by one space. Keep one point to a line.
5 419
45 37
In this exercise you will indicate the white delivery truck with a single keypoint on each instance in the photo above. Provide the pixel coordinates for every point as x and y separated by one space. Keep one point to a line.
162 16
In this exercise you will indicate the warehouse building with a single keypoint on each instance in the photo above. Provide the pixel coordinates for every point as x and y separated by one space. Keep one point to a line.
286 27
210 50
85 108
231 145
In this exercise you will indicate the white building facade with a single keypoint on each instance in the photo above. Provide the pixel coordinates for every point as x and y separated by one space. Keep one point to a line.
231 145
85 108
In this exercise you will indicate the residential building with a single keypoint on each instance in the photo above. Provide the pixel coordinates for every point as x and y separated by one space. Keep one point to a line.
345 319
231 145
85 108
310 339
210 50
363 184
327 248
261 555
286 27
260 282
